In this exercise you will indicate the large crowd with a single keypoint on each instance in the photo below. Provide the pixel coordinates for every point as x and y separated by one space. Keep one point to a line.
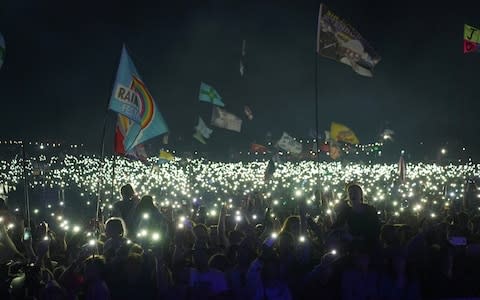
195 229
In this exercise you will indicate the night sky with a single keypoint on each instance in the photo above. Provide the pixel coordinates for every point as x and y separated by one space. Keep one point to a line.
62 57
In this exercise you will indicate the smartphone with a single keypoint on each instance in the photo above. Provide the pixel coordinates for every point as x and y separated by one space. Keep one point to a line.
27 234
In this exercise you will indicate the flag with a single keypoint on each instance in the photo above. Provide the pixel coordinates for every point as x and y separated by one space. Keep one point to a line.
2 50
387 134
203 129
242 59
165 156
258 148
209 94
471 39
327 136
402 169
248 112
131 98
138 153
339 41
121 131
198 136
335 152
287 143
342 133
223 119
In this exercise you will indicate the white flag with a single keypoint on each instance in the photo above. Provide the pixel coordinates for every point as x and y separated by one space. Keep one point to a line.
287 143
223 119
203 129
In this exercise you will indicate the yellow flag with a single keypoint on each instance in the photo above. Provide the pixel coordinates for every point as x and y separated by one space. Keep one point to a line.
166 155
342 133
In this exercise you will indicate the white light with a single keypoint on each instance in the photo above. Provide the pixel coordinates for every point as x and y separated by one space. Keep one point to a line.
298 193
213 213
301 239
1 219
329 211
76 229
254 217
274 235
155 236
181 226
334 252
443 151
433 215
238 218
146 216
275 202
92 242
10 226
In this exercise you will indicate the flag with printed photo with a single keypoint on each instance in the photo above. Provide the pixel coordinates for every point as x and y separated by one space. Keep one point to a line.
223 119
338 40
287 143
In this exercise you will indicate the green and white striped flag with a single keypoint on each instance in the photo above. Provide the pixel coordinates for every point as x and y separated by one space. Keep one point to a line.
209 94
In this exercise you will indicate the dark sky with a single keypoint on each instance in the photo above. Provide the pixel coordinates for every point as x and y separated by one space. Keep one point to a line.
62 57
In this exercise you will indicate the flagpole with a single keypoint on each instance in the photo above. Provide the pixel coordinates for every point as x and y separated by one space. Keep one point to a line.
316 92
25 186
113 177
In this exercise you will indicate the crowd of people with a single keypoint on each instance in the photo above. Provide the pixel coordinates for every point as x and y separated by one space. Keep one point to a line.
139 250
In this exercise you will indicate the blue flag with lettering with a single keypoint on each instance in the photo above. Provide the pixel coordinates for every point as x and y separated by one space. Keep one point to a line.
131 98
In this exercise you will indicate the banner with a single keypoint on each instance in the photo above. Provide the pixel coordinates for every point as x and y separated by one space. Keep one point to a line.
203 129
287 143
131 98
342 133
210 95
2 50
471 39
121 131
339 41
223 119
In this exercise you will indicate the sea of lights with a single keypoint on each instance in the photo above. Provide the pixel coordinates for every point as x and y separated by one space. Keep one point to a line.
181 183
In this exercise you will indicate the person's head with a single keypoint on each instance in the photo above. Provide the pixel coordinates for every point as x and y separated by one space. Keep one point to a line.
286 244
94 268
146 203
355 194
200 255
201 232
115 228
127 192
292 225
235 237
388 235
219 262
